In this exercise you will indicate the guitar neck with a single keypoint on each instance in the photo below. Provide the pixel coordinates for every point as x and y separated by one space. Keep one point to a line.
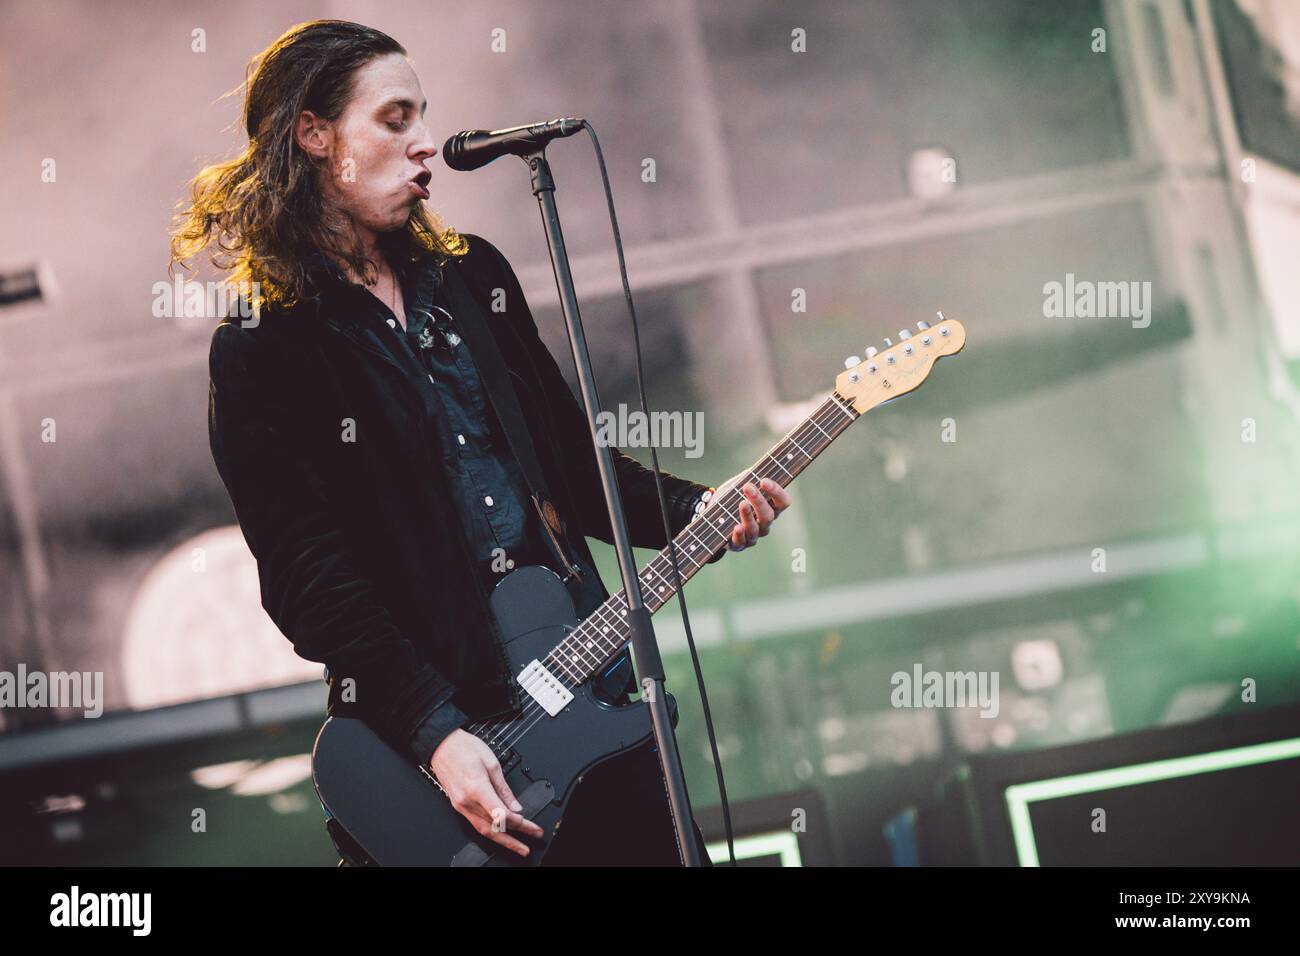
604 633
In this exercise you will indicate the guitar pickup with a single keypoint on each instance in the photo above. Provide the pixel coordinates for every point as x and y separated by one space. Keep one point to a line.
545 688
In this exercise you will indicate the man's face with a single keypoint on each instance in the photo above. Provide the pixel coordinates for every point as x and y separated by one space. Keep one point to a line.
376 150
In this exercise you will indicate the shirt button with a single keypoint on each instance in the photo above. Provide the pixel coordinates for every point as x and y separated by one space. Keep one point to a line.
461 439
488 501
392 323
431 378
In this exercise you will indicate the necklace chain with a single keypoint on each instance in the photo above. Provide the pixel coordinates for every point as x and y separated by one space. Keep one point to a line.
393 299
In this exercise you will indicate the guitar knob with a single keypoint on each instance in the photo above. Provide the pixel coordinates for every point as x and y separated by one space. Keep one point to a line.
871 351
923 325
904 334
851 361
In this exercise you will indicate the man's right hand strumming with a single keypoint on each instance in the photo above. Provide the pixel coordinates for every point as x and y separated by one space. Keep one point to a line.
470 774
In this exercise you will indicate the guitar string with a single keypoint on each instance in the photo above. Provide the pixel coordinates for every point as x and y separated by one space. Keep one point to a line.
533 709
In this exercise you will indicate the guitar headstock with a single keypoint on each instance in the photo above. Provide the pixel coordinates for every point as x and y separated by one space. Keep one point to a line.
901 367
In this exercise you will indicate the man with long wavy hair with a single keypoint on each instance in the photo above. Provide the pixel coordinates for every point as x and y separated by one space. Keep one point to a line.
357 439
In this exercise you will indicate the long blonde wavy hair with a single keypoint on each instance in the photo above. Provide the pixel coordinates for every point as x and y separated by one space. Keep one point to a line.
260 216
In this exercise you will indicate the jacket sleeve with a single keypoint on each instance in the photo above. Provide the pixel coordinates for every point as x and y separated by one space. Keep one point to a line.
310 584
636 483
435 729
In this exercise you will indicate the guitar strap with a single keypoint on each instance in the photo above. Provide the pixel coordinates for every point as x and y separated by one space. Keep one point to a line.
473 328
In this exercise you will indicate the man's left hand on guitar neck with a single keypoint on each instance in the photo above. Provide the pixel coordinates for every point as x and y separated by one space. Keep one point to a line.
756 514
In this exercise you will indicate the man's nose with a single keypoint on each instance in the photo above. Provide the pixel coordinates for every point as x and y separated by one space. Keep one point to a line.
424 145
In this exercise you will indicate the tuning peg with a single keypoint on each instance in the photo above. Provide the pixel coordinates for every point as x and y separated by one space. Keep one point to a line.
904 334
852 361
889 342
923 325
871 351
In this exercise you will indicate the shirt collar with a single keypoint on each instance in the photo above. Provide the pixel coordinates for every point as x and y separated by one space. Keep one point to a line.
321 269
418 291
418 280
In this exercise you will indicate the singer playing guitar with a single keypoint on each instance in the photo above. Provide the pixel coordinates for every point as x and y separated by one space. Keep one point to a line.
356 422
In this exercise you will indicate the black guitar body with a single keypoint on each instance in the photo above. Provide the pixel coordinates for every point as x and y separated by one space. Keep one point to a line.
398 814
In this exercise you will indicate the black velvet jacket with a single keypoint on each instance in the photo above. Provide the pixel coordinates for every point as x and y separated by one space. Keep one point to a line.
315 430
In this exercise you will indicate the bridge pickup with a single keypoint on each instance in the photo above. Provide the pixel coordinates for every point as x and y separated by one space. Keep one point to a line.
545 688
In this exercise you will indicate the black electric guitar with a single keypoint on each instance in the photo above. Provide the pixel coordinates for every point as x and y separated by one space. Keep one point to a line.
394 808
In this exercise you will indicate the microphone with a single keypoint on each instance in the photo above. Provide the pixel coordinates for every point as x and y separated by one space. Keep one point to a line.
473 148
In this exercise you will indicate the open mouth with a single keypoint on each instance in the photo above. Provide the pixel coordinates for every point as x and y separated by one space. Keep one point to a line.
419 184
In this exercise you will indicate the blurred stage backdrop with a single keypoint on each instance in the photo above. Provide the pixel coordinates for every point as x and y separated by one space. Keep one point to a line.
1102 511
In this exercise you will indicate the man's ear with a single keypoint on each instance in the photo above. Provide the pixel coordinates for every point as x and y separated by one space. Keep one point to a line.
313 134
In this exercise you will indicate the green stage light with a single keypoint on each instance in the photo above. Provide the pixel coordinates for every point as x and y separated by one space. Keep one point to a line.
782 843
1020 796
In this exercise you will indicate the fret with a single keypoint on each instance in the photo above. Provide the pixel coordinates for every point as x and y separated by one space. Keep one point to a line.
841 406
791 440
822 430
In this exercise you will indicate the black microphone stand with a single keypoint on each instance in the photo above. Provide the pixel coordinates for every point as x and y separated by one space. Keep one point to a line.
644 647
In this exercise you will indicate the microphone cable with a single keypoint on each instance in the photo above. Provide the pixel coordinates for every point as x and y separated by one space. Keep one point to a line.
663 504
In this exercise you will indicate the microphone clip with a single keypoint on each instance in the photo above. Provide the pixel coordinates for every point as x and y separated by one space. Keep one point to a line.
440 334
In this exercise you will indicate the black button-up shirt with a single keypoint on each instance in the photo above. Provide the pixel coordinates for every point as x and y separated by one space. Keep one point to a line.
487 483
